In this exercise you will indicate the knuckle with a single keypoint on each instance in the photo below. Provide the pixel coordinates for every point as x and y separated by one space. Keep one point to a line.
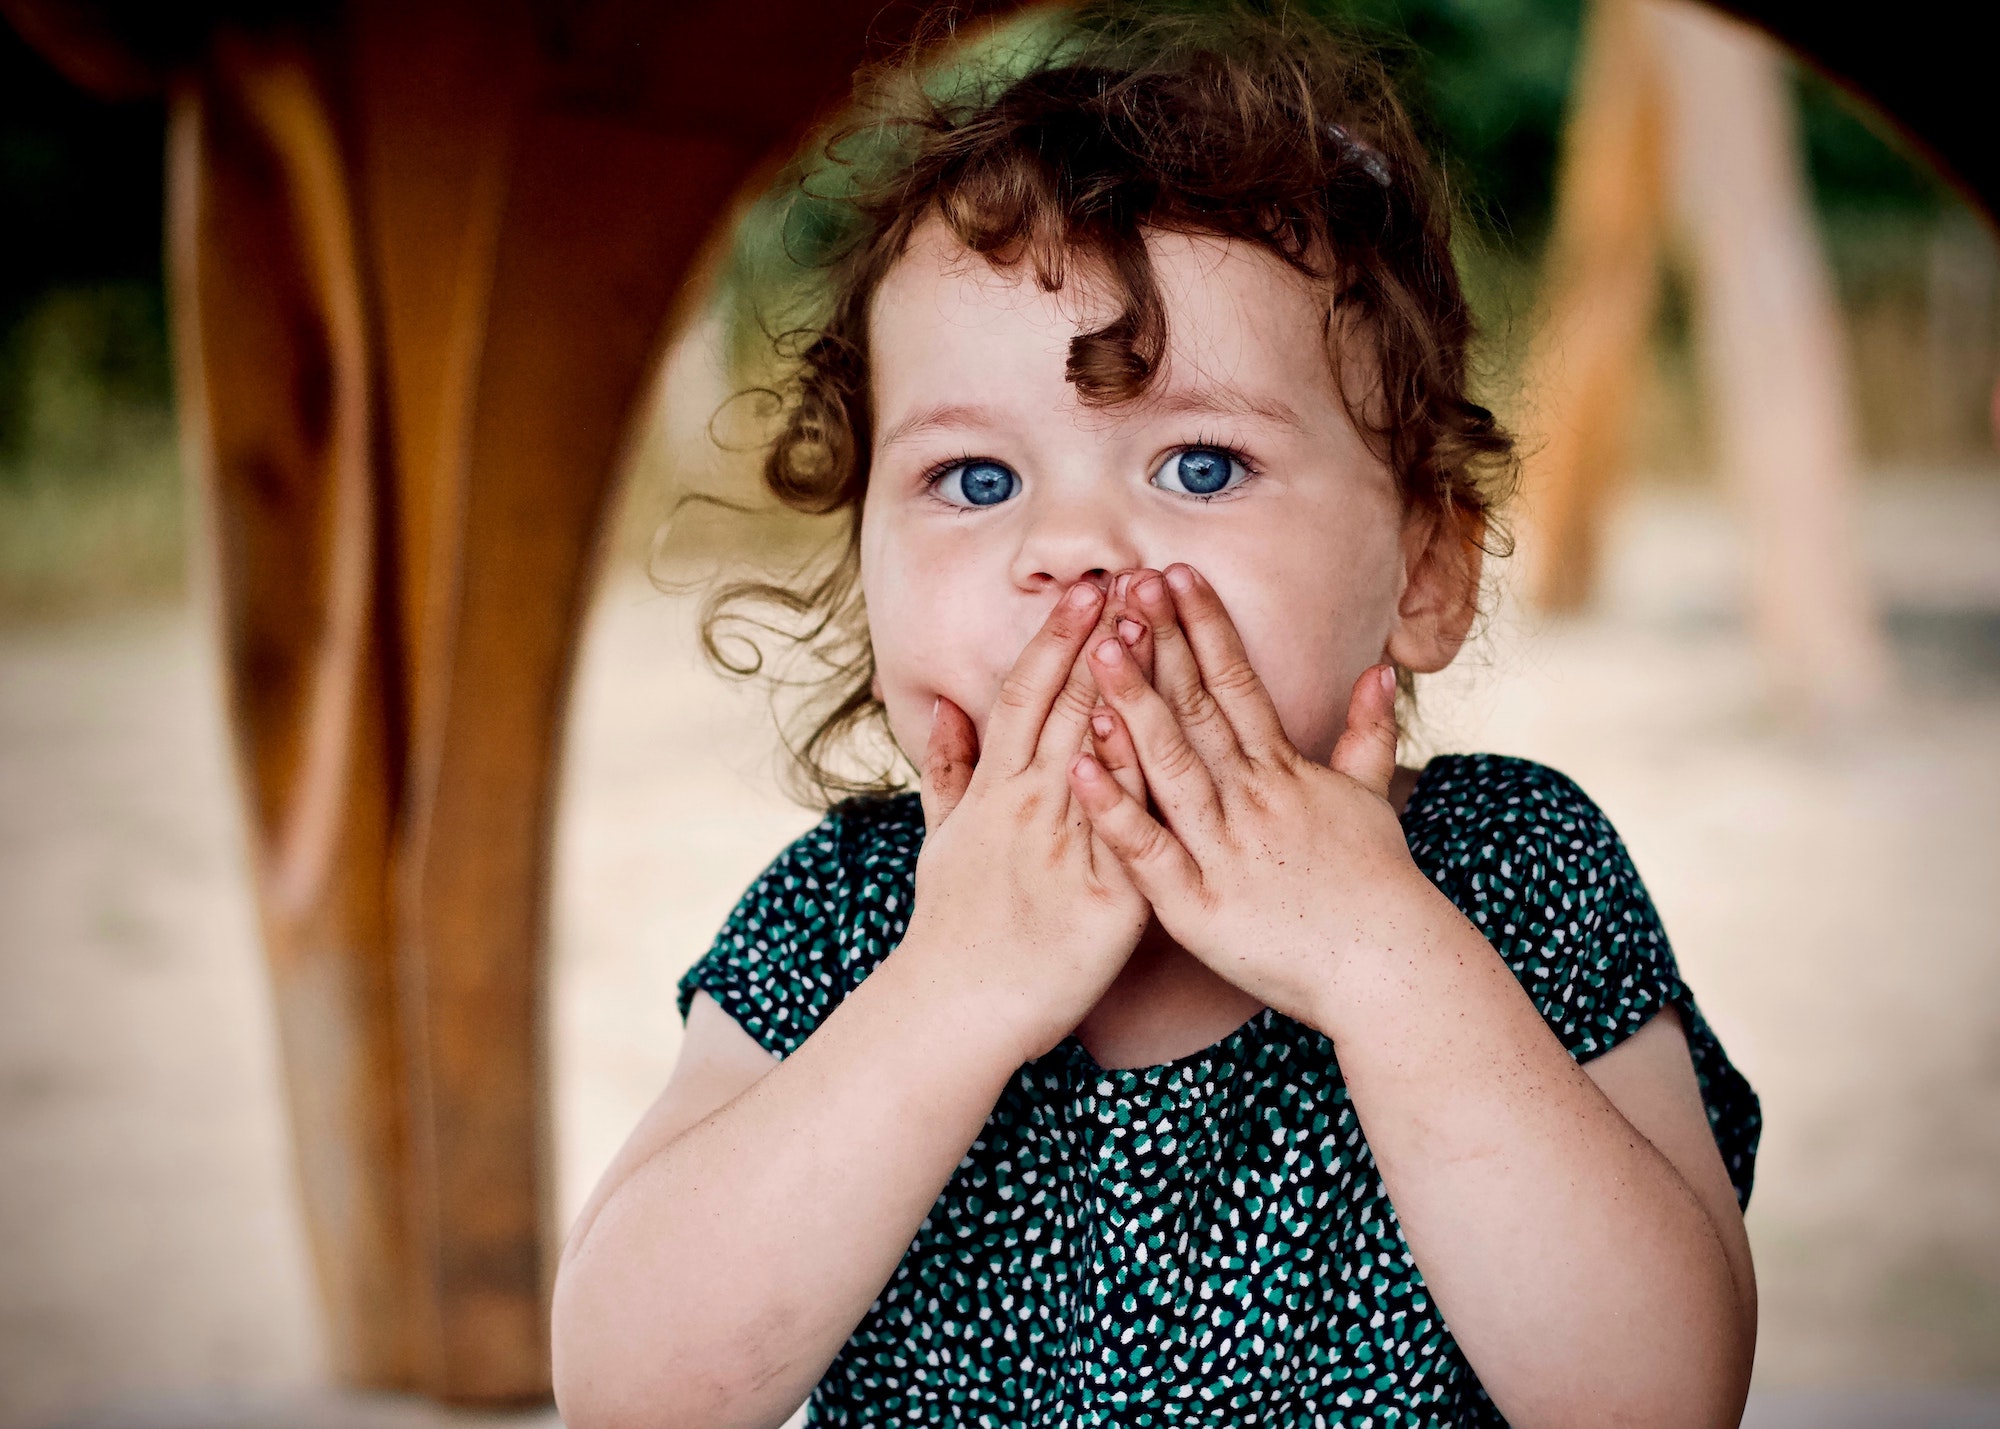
1027 803
1017 691
1234 678
1151 844
1252 799
1178 761
1075 698
1201 710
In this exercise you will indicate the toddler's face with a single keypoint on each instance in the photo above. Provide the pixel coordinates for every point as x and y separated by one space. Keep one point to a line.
993 487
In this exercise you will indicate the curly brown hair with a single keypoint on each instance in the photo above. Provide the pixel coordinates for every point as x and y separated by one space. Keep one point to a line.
1244 124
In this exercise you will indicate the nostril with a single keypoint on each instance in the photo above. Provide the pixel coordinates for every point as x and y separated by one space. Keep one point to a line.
1098 577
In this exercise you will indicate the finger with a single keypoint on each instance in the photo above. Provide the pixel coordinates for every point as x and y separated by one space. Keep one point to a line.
1044 667
1111 744
1179 779
1366 751
950 756
1128 622
1225 669
1159 866
1067 727
1177 674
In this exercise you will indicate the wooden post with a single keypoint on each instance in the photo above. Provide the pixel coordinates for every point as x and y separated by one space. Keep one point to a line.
1773 354
1683 118
1602 289
280 425
422 265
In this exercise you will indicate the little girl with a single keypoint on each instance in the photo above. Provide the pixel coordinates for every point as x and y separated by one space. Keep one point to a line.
1171 1056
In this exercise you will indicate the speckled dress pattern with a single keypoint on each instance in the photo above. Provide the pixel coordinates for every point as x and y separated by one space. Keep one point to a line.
1206 1241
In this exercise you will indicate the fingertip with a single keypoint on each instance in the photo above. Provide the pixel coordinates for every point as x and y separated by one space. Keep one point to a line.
1375 690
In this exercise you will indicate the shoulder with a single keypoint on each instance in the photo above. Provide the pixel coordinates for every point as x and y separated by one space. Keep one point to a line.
815 922
858 838
1535 864
1508 821
1457 795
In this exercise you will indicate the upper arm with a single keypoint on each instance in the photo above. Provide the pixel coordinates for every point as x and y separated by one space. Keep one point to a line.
718 1062
1650 1079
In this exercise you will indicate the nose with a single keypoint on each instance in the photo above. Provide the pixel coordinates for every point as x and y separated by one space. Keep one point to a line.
1072 536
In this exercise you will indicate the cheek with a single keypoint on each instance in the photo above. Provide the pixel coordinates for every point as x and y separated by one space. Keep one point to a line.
931 623
1313 614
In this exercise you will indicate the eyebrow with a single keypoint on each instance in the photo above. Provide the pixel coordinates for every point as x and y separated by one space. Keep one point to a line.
943 415
1216 400
1223 401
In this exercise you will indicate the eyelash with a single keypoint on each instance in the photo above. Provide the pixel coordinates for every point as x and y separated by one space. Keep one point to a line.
1251 471
935 474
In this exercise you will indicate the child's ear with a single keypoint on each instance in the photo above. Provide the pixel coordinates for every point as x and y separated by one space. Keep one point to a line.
1442 559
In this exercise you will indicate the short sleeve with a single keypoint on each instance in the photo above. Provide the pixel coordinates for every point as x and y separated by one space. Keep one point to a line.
1535 864
769 966
814 923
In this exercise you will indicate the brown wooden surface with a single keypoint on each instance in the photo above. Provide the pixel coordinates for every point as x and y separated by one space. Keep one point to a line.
422 264
281 426
1602 293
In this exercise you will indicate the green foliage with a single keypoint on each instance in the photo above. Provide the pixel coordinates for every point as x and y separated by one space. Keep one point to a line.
1489 81
90 495
83 378
1857 168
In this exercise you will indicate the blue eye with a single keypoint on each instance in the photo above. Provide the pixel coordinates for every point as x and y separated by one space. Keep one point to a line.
977 483
1200 471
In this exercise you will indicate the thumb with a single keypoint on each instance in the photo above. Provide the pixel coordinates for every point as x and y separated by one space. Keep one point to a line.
949 755
1366 752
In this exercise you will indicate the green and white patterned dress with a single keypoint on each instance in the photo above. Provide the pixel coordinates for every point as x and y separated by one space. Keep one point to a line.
1206 1241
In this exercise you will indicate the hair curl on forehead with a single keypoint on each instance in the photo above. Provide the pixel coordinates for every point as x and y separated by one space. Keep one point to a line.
1246 125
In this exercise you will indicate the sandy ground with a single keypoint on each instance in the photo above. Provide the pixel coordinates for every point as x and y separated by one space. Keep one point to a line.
1834 899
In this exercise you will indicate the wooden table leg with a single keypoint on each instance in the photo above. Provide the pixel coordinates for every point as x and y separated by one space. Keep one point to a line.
281 422
422 269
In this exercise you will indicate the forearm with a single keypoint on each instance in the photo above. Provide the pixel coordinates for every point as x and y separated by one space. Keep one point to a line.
721 1278
1577 1269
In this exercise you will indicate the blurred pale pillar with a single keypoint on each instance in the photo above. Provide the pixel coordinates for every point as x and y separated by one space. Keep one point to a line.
1602 292
1685 118
1772 350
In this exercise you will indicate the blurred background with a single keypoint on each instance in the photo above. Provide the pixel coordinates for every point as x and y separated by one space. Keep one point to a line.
1828 880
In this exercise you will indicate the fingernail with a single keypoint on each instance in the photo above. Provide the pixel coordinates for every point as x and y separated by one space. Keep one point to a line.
1101 725
1181 578
1130 630
1150 589
1086 768
1388 679
935 704
1119 586
1082 595
1110 652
